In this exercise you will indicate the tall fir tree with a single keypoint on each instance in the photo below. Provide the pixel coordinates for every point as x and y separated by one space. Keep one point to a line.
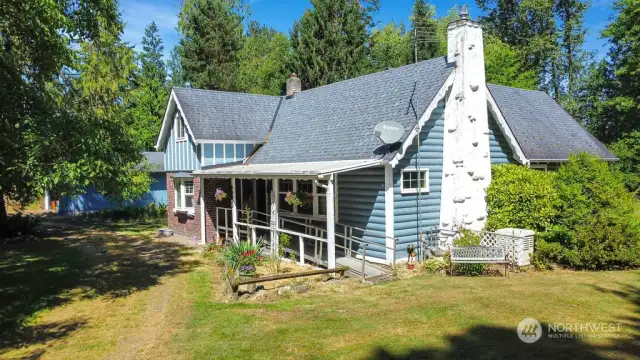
263 61
424 30
60 127
174 65
329 41
149 97
212 38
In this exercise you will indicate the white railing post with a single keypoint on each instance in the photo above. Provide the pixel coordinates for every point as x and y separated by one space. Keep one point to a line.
203 216
301 250
275 191
234 210
254 239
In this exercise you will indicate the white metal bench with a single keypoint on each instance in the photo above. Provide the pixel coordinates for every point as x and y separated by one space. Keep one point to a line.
478 255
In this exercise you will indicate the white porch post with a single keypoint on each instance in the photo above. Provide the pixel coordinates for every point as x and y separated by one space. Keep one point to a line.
203 216
275 204
47 201
388 212
331 225
234 211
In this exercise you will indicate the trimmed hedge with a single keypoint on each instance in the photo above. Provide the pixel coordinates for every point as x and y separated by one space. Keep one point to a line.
583 214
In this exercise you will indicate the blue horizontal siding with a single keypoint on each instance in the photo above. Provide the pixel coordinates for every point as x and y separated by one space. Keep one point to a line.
91 200
361 204
499 149
406 215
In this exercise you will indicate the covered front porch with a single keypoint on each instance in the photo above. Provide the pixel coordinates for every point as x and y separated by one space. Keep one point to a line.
260 211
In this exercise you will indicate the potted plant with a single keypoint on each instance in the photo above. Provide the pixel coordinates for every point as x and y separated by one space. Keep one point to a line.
411 252
220 194
299 198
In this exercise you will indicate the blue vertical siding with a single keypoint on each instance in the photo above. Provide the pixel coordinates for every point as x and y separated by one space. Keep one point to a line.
406 216
361 204
182 155
91 200
500 152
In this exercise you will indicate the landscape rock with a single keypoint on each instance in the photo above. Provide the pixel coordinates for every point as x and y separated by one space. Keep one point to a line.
285 290
301 289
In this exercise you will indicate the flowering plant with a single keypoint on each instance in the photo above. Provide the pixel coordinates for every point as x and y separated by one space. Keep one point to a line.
220 194
299 198
244 257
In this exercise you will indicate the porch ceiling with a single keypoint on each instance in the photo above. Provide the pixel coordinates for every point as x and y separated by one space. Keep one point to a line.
303 169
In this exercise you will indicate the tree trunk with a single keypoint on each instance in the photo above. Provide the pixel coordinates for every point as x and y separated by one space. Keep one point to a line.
3 216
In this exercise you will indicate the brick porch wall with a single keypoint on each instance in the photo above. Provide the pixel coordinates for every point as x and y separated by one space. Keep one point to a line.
189 225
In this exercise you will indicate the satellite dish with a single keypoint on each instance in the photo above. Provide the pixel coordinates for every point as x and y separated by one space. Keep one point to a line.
390 132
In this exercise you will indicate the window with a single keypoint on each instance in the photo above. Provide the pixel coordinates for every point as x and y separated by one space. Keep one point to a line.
184 195
319 206
411 180
180 135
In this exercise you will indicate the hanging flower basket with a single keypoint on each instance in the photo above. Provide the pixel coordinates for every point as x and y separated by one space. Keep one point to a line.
220 194
299 198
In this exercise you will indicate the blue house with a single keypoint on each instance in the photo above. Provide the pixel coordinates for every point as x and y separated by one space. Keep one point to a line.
311 165
91 200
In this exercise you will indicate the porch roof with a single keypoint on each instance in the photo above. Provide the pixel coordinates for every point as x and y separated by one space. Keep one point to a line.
301 169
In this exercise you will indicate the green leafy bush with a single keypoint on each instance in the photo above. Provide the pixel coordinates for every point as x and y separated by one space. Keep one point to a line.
468 238
583 214
627 149
18 227
127 213
519 197
434 265
595 225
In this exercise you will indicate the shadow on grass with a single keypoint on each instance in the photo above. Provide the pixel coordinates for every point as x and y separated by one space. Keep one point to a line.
87 264
490 342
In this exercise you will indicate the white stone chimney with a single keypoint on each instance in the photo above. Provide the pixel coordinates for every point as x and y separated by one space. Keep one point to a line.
466 169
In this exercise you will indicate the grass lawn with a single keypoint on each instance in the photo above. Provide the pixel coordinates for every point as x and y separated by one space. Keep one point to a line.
115 292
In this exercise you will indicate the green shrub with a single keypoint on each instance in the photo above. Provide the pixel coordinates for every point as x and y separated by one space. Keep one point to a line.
434 265
627 149
595 222
520 197
468 238
18 227
546 254
243 253
151 211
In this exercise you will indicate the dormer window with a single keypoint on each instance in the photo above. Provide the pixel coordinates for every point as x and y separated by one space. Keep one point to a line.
180 133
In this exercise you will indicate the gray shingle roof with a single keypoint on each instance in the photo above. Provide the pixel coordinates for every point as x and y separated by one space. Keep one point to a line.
221 115
542 128
156 160
336 121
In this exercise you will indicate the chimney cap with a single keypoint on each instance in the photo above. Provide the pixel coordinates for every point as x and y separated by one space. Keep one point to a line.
464 12
293 75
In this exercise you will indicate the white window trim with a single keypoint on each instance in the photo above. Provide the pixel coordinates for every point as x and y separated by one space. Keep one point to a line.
316 196
180 182
414 191
180 127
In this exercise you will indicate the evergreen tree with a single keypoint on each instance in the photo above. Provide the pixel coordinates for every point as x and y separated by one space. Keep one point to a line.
212 38
263 61
573 56
390 47
149 98
54 131
424 30
176 72
329 41
504 65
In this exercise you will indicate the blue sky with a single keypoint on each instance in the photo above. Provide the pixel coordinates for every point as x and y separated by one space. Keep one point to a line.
280 14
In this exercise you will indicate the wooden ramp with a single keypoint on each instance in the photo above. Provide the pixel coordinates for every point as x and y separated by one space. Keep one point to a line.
355 266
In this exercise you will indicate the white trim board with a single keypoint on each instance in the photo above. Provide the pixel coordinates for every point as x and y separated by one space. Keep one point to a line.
423 120
494 109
